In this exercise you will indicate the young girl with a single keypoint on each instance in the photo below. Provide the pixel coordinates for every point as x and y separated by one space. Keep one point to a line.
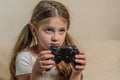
48 26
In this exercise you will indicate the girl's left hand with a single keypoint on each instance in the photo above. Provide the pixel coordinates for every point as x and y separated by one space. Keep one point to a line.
80 59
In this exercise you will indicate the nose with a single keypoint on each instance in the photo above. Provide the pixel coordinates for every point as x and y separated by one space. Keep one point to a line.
55 37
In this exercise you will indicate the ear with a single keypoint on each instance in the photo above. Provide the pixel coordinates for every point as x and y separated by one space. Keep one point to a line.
32 28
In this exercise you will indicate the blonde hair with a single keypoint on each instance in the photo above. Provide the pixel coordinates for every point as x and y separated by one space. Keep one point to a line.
44 9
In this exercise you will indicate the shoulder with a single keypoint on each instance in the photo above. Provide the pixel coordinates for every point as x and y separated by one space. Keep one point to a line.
24 62
25 56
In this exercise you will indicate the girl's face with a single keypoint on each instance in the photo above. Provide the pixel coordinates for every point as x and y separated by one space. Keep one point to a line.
52 33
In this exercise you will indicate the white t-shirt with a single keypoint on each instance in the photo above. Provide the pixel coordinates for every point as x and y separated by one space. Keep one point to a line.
24 64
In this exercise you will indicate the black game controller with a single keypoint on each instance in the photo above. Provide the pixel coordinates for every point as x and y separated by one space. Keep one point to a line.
66 54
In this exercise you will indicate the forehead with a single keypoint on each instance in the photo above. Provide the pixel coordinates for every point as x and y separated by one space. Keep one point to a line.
53 22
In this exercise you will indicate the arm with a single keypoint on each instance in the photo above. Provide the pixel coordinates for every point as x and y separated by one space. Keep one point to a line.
76 77
77 71
24 66
24 77
27 72
42 63
29 77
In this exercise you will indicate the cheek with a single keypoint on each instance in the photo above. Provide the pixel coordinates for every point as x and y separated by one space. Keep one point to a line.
44 38
62 39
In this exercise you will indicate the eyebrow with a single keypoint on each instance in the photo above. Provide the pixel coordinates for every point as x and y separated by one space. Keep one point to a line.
53 27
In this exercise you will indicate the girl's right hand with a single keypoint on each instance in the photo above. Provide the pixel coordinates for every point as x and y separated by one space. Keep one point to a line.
44 61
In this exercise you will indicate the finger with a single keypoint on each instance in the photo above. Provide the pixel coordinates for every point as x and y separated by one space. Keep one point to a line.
47 67
79 56
81 52
47 62
44 52
79 67
82 62
47 56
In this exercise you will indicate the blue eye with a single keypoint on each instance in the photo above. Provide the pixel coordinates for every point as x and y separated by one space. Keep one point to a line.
62 30
48 30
